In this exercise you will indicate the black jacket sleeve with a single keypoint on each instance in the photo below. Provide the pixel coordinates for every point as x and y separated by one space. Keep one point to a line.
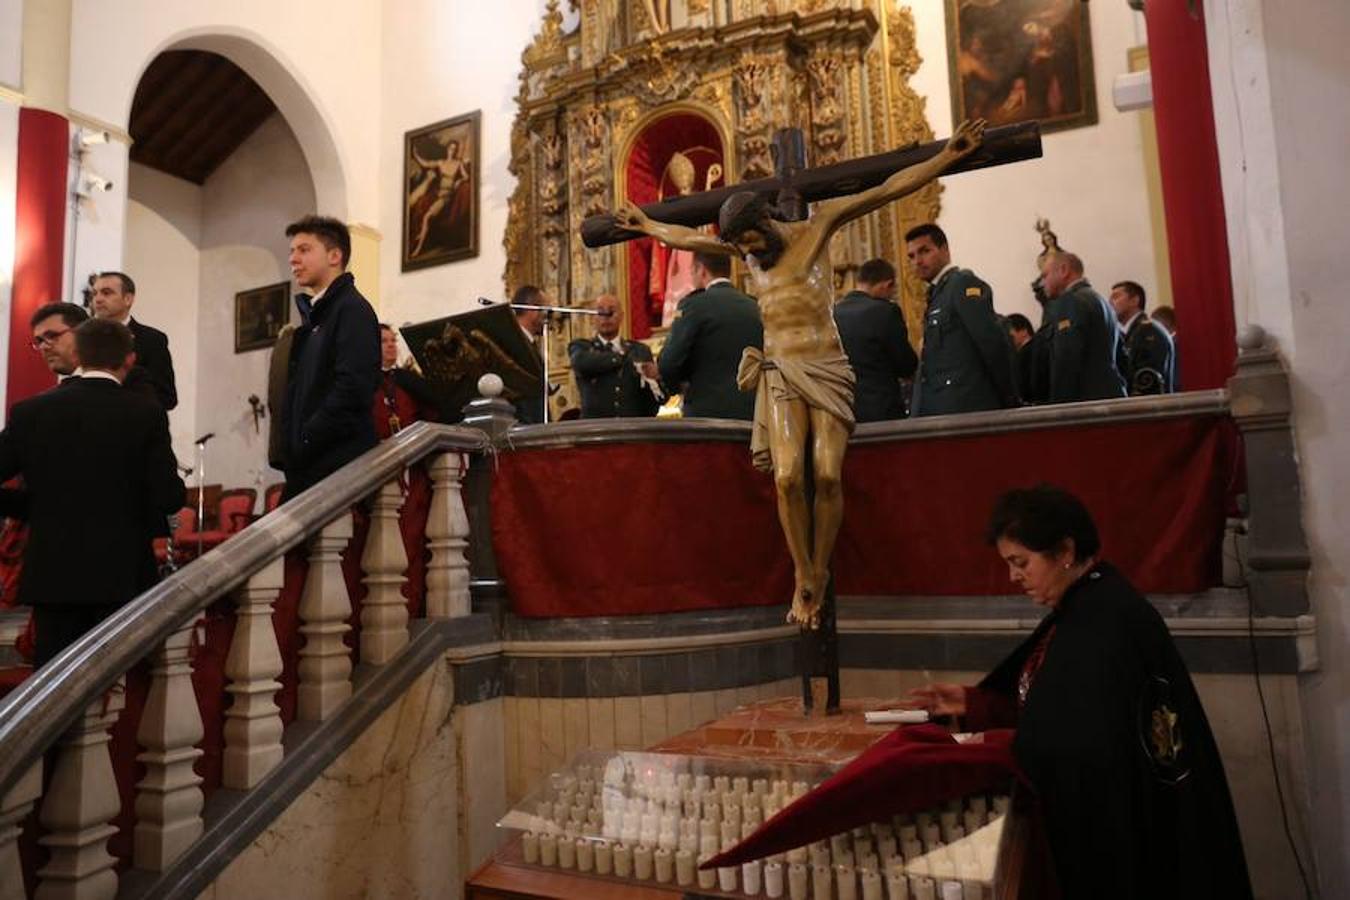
1149 360
975 306
155 365
166 490
896 341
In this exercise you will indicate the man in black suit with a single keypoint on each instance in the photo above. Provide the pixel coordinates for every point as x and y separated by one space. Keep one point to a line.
530 407
114 294
101 476
876 342
334 365
616 378
1144 355
967 360
703 352
54 336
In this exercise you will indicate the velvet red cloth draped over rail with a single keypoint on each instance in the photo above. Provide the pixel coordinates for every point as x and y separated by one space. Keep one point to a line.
1188 154
39 242
629 529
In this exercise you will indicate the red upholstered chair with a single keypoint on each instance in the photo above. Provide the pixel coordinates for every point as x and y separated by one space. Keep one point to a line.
187 526
233 515
272 496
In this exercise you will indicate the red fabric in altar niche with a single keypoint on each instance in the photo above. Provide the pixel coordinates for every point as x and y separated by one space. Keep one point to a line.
915 511
1188 155
637 528
646 165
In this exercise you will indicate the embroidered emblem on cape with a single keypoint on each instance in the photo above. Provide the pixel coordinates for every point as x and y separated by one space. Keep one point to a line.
972 292
1065 324
1161 732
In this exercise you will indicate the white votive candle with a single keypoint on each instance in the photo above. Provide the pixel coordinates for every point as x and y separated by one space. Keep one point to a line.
623 861
712 810
979 805
684 867
1001 804
797 883
567 854
731 812
897 886
759 787
548 850
797 856
707 878
726 878
529 847
703 783
585 855
664 861
923 889
722 783
822 883
820 854
951 890
971 890
642 863
846 882
871 884
773 879
604 858
972 821
751 878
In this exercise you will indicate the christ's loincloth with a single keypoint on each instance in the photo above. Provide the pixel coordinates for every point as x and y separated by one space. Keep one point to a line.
825 384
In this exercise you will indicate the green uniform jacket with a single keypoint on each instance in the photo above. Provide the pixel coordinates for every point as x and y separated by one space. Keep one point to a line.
704 350
877 345
609 382
1079 339
967 363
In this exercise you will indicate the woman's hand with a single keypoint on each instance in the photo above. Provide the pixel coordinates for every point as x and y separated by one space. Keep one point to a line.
939 699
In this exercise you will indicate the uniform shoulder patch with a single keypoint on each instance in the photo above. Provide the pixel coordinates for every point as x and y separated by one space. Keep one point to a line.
1065 324
972 292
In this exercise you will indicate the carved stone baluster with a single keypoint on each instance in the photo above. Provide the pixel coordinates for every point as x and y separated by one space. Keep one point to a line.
14 808
169 797
80 804
253 721
448 538
325 607
384 612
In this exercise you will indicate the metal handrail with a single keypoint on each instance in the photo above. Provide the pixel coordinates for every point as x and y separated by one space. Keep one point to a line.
39 710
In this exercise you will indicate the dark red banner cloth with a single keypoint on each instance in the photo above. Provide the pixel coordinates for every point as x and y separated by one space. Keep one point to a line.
630 529
624 529
910 770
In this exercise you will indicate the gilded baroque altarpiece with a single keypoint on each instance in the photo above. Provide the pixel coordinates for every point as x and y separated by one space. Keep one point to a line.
592 97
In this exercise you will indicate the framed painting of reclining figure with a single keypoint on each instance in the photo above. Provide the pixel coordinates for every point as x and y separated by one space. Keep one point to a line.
440 192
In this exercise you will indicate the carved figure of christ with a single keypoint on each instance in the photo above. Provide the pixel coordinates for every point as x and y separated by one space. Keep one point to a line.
792 281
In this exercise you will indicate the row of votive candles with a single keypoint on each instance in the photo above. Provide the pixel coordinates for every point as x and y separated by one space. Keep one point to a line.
924 856
774 877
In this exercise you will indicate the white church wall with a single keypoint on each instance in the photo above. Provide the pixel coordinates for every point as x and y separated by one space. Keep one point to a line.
1281 86
319 61
1090 184
163 234
444 59
96 222
9 147
246 205
11 43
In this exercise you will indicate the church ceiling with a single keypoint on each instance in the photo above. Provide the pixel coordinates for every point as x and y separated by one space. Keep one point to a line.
192 110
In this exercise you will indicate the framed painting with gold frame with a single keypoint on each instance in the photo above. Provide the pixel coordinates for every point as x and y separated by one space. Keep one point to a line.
259 314
1017 61
441 178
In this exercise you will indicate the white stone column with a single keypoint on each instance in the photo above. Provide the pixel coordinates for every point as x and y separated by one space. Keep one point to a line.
253 721
79 807
325 607
384 612
14 808
169 798
448 538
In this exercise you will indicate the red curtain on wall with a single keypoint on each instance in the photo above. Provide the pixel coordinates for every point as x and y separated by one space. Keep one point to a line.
1188 153
41 195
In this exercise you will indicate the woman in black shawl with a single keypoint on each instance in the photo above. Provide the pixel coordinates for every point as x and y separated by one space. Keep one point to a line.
1109 728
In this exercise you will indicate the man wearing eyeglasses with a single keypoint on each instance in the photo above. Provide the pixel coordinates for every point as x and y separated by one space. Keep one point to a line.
54 336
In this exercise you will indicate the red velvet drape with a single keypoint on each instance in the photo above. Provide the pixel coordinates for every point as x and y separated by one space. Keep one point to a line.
644 169
1192 193
41 196
632 529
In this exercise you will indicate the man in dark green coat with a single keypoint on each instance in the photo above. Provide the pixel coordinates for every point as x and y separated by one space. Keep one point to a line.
715 325
616 377
872 329
967 363
1145 354
1078 336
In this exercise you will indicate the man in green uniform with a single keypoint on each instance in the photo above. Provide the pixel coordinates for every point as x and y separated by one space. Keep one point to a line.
876 343
967 361
715 325
1078 336
1145 355
616 377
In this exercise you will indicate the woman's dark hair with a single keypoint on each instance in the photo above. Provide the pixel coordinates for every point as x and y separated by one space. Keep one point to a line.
1042 518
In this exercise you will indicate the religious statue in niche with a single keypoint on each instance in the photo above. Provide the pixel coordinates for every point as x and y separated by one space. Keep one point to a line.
802 380
1022 60
675 155
672 272
440 183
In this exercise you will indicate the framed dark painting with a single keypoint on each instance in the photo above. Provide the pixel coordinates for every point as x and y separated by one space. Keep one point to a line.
1021 60
440 192
259 314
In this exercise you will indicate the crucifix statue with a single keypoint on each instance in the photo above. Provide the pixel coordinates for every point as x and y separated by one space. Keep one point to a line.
802 380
